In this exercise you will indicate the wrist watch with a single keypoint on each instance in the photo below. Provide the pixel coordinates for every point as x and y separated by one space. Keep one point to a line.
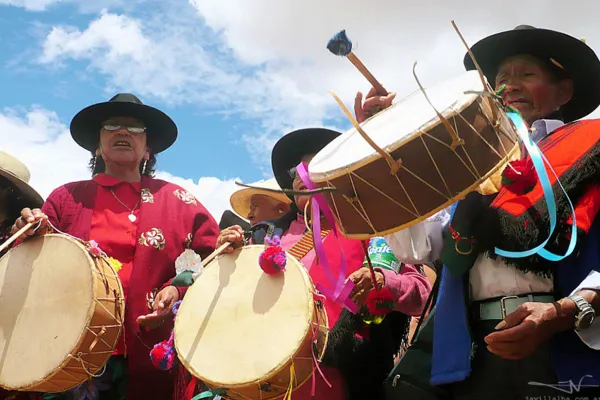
586 315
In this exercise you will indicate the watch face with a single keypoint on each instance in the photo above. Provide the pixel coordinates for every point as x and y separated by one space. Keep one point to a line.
585 320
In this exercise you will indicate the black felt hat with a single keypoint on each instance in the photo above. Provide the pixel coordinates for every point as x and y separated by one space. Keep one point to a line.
229 218
161 131
577 59
289 150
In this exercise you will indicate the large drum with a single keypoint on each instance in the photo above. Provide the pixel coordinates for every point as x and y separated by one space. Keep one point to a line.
61 314
434 170
253 334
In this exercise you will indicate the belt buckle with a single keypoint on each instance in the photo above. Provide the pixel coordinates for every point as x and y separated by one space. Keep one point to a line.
503 304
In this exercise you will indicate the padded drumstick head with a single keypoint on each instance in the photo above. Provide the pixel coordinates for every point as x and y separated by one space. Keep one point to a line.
339 44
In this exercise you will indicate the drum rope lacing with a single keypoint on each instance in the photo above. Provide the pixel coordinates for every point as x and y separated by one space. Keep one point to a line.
98 336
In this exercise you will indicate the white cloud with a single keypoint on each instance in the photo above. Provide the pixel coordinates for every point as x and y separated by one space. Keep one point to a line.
39 139
212 192
268 60
31 5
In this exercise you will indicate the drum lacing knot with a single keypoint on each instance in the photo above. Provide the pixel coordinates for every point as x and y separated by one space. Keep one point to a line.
78 357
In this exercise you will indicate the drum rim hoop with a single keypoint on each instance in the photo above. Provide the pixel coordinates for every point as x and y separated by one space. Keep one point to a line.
276 370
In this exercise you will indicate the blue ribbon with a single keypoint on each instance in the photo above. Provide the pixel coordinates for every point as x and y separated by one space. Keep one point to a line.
209 394
538 160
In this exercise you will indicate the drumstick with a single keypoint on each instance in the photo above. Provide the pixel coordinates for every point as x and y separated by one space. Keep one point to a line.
373 278
479 71
212 255
15 236
340 45
290 191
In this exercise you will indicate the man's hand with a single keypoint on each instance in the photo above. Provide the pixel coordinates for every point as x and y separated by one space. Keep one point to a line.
523 331
372 104
162 310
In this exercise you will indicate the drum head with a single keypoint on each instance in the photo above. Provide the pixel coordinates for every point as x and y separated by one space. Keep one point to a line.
238 325
394 126
46 296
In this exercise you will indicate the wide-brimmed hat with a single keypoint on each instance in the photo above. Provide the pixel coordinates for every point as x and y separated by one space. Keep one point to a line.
289 150
240 200
229 218
161 131
18 174
577 60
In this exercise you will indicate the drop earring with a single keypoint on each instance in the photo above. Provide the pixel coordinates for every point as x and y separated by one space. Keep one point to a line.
144 167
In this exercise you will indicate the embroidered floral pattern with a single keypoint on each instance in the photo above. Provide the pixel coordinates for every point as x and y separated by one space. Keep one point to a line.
153 238
147 196
185 196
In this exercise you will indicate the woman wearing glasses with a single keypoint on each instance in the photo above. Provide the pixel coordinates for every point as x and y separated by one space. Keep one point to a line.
142 222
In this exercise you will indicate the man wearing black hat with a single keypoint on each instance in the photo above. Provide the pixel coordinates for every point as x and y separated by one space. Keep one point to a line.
143 223
528 322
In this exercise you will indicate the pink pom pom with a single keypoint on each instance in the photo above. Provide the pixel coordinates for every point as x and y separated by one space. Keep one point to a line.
272 260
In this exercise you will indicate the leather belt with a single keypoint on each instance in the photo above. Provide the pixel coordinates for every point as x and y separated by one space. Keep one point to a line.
498 309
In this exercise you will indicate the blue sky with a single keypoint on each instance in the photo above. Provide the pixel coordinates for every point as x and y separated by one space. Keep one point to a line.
235 75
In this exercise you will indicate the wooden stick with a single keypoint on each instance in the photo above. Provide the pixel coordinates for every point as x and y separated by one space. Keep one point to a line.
373 277
480 71
289 191
212 255
367 74
16 236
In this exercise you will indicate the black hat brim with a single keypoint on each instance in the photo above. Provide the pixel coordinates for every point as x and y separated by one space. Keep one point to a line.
161 130
578 59
289 150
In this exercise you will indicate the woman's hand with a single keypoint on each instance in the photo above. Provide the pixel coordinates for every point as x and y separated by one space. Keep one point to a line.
30 216
363 284
234 235
162 309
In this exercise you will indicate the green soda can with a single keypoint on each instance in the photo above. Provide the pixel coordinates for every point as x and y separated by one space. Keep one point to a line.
381 256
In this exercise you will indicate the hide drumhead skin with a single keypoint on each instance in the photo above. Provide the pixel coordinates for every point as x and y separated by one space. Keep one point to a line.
237 326
49 293
435 167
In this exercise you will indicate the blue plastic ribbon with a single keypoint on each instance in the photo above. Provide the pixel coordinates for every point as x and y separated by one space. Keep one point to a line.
210 394
538 160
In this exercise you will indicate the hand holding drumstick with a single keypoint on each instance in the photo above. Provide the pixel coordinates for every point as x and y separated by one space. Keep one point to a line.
372 104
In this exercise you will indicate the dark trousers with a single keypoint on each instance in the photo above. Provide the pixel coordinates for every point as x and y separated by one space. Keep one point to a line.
495 378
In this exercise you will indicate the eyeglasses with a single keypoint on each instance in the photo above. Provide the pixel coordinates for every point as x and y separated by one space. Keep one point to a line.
293 172
131 129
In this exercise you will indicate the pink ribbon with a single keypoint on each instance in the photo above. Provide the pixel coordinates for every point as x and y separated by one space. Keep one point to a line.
317 297
342 287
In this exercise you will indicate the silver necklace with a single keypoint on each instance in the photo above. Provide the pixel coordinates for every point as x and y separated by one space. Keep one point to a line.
131 215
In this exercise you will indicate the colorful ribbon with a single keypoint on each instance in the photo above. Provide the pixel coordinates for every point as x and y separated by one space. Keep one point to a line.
538 159
342 288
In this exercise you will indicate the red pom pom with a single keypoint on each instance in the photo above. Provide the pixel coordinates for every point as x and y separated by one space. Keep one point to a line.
519 176
380 302
158 354
272 260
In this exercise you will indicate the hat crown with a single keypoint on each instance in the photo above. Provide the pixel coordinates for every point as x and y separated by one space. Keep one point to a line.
125 98
524 27
13 166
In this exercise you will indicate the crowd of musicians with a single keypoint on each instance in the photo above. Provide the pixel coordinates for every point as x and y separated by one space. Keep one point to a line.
465 324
